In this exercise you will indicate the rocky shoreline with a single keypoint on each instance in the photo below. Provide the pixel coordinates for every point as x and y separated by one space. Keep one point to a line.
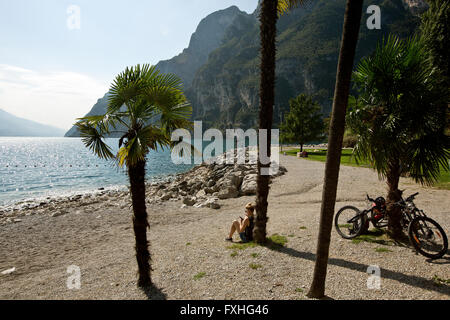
202 186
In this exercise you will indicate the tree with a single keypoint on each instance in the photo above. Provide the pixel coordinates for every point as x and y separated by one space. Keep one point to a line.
149 105
268 29
400 117
268 16
304 122
434 30
352 21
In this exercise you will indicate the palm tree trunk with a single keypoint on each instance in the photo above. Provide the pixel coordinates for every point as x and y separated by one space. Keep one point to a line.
268 29
393 212
352 23
136 174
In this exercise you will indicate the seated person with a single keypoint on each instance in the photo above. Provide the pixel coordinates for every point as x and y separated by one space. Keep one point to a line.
245 226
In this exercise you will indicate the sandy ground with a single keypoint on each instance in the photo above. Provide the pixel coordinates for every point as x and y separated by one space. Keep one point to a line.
98 238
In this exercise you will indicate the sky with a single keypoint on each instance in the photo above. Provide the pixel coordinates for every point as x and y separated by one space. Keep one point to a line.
58 57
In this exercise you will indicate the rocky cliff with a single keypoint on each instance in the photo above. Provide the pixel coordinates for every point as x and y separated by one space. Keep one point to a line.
224 92
207 37
220 68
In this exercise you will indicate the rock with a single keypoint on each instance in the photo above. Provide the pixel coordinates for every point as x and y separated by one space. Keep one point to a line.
201 194
228 192
212 189
17 220
58 213
248 186
166 196
212 203
189 201
210 183
234 179
75 198
9 271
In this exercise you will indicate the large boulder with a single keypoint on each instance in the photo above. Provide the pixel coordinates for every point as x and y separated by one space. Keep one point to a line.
201 194
228 192
189 201
248 186
212 203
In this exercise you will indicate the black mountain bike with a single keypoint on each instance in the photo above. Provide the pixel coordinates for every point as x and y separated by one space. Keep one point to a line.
426 235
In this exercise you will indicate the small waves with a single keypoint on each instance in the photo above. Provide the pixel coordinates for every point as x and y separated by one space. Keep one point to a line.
36 168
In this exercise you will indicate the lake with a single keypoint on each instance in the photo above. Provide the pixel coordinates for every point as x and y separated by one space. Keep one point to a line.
33 168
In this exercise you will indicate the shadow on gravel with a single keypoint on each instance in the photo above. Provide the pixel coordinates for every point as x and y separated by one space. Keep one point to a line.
154 293
411 280
443 260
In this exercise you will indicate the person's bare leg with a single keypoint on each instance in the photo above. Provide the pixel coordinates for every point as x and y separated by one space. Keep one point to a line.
234 227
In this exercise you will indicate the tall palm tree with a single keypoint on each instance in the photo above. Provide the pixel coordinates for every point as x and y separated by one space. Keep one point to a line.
352 22
268 30
144 106
400 117
268 16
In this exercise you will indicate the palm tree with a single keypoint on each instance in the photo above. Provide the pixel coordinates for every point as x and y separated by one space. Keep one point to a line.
270 9
352 21
268 30
400 117
147 105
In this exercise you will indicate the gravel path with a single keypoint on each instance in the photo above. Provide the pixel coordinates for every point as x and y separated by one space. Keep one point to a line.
191 260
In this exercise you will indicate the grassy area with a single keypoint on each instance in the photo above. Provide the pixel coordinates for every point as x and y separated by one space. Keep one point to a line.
439 281
373 236
255 266
274 242
348 159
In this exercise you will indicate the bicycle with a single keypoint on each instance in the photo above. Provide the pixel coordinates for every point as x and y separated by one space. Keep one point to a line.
426 235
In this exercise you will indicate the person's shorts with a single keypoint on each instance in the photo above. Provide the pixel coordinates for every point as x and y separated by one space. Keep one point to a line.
243 237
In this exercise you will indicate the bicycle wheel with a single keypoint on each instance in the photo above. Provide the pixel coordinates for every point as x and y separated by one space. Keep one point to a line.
428 237
349 222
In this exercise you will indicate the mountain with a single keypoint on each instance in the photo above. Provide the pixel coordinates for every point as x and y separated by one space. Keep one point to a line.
204 40
207 37
224 92
12 126
220 67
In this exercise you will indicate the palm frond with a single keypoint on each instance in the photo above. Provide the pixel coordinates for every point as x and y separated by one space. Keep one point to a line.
128 85
284 6
92 138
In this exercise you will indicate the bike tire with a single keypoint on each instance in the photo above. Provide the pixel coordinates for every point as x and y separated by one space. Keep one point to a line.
412 232
340 229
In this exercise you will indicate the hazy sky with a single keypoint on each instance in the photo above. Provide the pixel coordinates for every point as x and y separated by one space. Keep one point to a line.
54 66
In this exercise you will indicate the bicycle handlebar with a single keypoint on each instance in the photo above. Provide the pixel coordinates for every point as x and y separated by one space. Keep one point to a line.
411 197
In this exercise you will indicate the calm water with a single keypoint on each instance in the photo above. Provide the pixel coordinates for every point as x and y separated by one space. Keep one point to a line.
40 167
